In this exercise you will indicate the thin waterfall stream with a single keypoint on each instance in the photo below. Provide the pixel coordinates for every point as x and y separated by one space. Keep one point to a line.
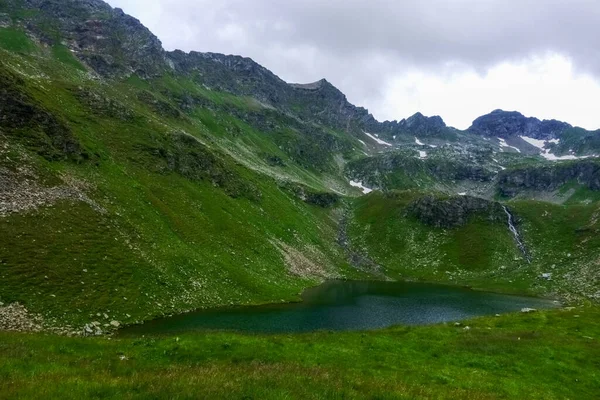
516 234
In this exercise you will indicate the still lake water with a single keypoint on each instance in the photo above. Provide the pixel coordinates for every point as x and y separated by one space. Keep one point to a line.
348 305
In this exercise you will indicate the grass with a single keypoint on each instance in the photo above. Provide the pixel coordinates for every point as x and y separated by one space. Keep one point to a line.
410 250
64 55
561 240
15 40
491 360
187 224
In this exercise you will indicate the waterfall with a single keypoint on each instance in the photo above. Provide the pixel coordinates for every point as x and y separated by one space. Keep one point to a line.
515 232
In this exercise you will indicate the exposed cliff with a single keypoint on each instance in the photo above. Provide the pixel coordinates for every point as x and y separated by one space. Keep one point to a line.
454 211
548 178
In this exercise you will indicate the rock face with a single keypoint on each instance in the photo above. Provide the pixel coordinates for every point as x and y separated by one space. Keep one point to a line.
109 41
504 124
454 211
549 178
233 74
404 171
310 196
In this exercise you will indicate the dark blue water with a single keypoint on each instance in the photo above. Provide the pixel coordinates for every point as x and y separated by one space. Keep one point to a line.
343 306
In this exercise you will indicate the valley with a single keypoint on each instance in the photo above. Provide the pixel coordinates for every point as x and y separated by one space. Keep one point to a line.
138 183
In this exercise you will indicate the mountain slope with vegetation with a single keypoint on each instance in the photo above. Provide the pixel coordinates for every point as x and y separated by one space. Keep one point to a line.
137 182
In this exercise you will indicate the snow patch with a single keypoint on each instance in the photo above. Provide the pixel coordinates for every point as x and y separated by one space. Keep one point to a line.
419 143
540 144
362 142
462 194
377 139
498 162
422 154
504 144
359 185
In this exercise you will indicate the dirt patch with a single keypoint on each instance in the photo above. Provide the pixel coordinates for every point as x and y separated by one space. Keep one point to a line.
19 192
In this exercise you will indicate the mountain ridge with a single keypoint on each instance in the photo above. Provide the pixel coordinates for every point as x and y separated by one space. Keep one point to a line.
86 38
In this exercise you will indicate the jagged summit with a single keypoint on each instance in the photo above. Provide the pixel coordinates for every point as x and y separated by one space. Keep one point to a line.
420 124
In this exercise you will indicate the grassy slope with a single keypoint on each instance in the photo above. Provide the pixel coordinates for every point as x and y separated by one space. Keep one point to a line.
165 243
561 240
545 355
408 249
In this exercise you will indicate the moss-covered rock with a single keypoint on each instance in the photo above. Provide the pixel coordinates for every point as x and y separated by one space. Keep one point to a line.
454 211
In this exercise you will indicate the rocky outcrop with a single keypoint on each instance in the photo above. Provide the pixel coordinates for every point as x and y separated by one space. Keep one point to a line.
311 196
505 124
32 125
453 212
159 106
416 125
319 102
185 155
231 74
99 104
422 126
403 170
109 41
18 193
549 178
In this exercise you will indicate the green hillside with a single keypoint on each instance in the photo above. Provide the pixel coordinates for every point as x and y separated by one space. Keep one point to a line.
137 183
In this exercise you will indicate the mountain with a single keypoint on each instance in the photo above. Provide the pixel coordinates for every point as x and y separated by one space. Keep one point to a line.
137 182
505 124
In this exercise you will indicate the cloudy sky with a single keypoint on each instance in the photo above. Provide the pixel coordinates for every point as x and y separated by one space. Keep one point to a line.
455 58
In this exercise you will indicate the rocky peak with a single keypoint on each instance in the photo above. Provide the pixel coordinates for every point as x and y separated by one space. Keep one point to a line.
421 125
233 74
505 124
109 41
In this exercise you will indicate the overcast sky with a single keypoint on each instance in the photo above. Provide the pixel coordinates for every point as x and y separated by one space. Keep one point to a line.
455 58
